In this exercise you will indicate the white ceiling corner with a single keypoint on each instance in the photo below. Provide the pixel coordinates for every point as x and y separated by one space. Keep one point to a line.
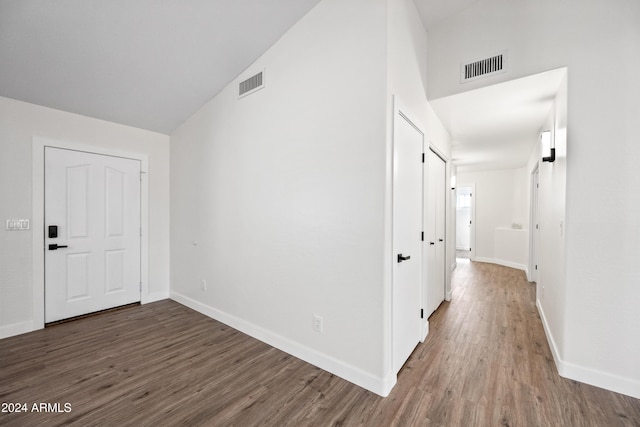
433 12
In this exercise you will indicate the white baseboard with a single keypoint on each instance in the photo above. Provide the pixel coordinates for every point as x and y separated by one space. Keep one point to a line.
378 385
601 379
594 377
28 326
448 296
552 344
154 296
504 263
13 329
425 330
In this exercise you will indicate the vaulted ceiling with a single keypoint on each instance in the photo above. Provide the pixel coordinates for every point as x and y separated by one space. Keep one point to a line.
435 12
151 64
145 63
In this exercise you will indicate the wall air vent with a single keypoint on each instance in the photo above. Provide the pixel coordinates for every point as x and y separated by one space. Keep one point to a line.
250 85
485 67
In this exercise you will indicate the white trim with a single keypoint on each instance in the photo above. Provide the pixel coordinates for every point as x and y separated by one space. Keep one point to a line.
550 340
600 379
425 330
366 380
501 262
594 377
400 109
37 197
454 265
532 275
472 218
16 329
156 296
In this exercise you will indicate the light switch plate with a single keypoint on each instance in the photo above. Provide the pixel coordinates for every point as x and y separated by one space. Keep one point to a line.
17 224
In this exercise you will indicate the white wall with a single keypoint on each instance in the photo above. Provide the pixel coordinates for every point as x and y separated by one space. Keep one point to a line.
406 79
293 188
598 41
501 198
284 193
19 123
551 286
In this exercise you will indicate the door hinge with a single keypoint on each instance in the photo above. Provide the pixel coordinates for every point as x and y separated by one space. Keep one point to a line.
422 236
422 313
536 266
422 157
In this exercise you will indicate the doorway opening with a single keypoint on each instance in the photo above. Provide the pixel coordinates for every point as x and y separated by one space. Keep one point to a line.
465 215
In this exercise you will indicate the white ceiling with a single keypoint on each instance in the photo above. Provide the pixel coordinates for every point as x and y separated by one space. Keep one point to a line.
496 127
144 63
151 64
433 12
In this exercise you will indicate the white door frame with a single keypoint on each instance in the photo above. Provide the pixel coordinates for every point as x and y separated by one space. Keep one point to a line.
446 213
534 209
472 218
38 144
400 110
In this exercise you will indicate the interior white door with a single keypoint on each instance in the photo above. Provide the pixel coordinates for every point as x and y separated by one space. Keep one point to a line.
407 239
435 230
535 230
92 232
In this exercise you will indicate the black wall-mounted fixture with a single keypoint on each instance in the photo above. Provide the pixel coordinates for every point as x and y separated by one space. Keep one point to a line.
548 146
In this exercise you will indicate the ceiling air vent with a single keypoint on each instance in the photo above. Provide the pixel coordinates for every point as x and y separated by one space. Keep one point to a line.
483 68
252 84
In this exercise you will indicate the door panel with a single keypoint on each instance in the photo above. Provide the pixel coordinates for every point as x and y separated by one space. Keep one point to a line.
435 231
407 226
94 200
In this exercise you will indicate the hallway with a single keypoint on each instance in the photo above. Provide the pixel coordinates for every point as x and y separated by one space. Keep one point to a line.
485 363
491 364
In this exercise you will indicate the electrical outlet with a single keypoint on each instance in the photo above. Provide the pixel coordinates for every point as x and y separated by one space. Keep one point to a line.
203 285
317 323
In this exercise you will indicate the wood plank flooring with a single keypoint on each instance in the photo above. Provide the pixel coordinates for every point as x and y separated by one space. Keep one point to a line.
486 362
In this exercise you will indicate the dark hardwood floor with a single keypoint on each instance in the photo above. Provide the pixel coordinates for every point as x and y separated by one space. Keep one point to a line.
486 362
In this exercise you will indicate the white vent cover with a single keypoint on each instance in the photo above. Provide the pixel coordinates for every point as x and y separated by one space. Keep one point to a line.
483 68
250 85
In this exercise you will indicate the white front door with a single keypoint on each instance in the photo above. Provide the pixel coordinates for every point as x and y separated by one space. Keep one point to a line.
407 242
435 231
92 232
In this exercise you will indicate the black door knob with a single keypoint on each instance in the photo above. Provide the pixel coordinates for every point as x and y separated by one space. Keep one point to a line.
403 258
53 246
